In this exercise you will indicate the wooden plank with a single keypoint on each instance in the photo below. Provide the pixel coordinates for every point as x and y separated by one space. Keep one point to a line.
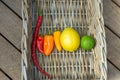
3 77
15 5
10 25
113 73
113 46
10 60
112 16
117 2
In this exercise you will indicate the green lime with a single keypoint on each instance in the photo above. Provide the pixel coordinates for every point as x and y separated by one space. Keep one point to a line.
87 42
70 39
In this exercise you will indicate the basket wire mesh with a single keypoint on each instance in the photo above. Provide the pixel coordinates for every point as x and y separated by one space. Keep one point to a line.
85 16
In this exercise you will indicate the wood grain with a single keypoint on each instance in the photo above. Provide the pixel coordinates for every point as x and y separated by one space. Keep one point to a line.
117 2
112 16
10 59
10 25
15 5
113 46
3 77
113 73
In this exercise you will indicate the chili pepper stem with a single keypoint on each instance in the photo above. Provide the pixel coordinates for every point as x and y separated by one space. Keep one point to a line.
40 13
41 35
49 32
55 29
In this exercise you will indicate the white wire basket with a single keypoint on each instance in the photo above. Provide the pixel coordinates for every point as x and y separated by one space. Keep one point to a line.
85 16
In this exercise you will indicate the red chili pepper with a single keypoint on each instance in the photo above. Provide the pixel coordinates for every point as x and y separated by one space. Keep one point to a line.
40 43
33 48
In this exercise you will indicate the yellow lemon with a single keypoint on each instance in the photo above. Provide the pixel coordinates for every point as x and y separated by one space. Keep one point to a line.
70 39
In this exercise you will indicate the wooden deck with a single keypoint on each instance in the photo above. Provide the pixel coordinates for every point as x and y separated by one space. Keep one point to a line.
10 38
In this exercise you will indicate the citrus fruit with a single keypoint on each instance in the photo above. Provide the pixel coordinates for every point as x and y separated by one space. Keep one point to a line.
70 39
87 42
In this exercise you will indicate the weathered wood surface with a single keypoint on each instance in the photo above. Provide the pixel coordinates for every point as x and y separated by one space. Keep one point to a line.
112 21
3 77
117 2
112 15
10 25
113 46
10 60
15 5
113 73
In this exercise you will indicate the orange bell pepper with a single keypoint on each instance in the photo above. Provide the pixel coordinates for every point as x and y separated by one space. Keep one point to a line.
48 44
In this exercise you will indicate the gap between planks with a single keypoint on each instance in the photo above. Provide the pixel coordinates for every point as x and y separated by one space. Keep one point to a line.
111 13
10 60
12 9
116 2
5 74
11 43
10 26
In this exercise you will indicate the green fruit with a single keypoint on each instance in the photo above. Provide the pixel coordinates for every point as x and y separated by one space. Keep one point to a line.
70 39
87 42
